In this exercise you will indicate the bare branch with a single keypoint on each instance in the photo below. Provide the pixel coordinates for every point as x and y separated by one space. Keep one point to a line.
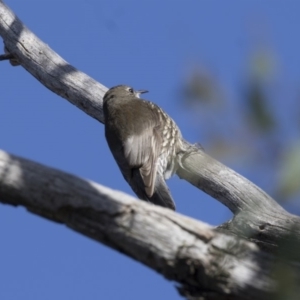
202 261
257 216
6 56
205 263
48 67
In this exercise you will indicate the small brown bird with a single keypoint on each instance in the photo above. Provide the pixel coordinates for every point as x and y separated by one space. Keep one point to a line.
144 141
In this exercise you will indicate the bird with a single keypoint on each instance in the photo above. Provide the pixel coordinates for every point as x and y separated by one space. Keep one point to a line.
144 141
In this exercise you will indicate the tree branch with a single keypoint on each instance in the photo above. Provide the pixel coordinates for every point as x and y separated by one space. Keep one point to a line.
6 56
48 67
257 216
202 261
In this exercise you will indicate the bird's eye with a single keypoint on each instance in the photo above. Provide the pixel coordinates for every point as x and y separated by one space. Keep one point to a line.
131 90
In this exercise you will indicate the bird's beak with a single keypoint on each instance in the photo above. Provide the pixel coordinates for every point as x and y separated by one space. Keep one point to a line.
137 93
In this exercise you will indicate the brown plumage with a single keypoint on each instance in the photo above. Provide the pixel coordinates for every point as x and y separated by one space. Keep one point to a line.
144 141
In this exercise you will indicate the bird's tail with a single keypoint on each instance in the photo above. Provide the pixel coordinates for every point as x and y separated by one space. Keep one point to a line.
161 195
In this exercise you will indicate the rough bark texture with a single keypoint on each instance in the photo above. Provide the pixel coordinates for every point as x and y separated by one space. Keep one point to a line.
204 262
257 217
207 264
48 67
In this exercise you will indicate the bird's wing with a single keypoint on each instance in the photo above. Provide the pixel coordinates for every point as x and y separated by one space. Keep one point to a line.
142 151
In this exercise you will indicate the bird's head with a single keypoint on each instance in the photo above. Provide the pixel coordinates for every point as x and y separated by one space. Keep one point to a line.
120 91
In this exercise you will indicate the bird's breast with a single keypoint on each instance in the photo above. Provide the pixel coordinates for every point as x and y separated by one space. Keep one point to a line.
171 144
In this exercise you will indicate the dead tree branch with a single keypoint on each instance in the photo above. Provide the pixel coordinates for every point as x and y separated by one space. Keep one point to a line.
206 263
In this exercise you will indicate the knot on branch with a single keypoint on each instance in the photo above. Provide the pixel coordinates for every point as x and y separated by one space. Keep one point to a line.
8 56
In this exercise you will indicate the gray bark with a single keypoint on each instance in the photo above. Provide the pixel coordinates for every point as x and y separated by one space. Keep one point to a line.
257 217
48 67
204 262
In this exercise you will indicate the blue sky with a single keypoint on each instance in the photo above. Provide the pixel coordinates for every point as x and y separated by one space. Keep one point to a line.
149 45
